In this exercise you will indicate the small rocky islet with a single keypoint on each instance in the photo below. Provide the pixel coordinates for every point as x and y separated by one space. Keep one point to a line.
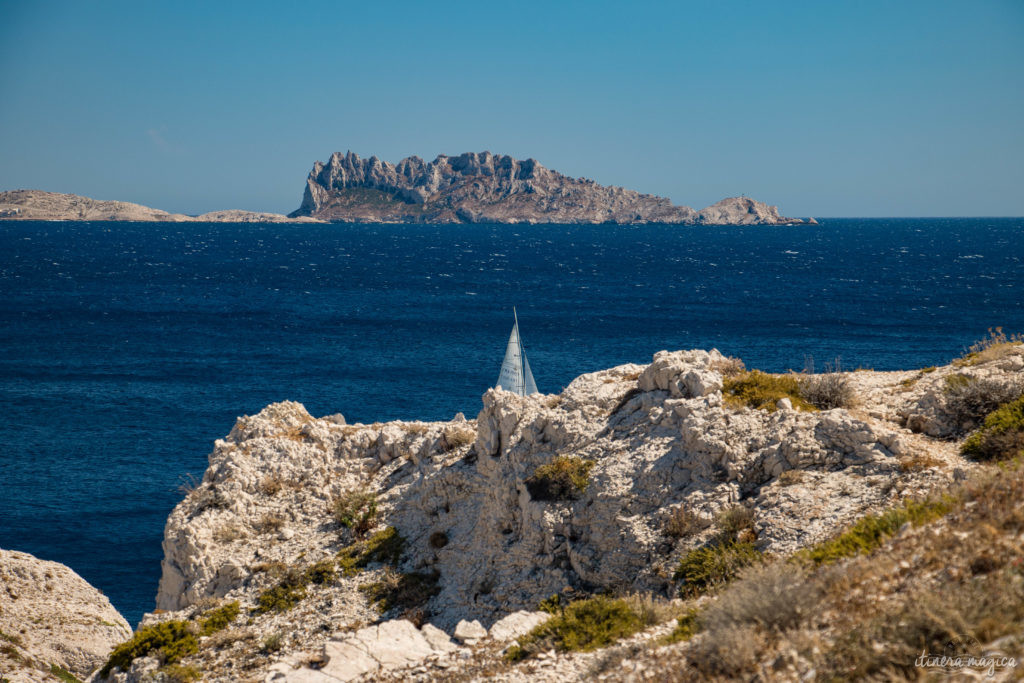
468 188
683 520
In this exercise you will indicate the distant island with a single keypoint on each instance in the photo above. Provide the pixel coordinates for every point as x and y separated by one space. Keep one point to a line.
470 188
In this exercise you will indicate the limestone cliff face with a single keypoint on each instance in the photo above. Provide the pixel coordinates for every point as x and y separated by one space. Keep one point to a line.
487 188
50 616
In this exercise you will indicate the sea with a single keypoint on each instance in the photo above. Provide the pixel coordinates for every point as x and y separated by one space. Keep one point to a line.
126 349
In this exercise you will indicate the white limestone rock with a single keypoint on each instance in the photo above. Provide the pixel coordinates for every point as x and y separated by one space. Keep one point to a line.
50 615
516 625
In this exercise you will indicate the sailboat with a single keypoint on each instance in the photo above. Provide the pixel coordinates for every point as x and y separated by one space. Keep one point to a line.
515 375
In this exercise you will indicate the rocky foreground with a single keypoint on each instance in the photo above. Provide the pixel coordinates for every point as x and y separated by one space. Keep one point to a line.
701 532
487 188
52 621
38 205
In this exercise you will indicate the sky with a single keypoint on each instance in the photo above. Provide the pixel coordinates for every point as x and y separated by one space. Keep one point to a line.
839 108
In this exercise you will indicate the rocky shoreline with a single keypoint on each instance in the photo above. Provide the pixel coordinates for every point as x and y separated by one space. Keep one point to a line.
315 550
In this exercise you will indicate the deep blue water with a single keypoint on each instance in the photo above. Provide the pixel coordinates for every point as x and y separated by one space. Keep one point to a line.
126 349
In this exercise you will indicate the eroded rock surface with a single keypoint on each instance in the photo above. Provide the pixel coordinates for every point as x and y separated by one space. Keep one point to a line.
660 437
488 188
49 615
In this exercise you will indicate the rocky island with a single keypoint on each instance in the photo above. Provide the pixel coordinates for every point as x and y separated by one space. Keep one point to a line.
683 520
52 206
469 188
488 188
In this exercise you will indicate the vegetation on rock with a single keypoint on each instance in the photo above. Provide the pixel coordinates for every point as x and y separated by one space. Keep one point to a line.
1000 437
564 478
356 510
384 547
714 565
401 590
756 389
582 625
168 640
871 531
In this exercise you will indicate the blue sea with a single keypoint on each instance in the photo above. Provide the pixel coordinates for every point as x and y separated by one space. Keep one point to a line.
127 348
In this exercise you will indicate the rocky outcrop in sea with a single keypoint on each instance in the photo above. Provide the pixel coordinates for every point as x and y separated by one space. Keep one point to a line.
53 206
488 188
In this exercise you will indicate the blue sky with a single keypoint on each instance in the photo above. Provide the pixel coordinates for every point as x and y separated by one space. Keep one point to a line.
825 108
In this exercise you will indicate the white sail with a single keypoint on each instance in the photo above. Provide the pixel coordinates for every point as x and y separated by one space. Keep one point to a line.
515 374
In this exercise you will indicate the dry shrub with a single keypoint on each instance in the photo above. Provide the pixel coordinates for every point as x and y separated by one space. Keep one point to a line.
929 620
271 485
791 477
735 523
828 390
653 610
417 428
457 437
552 401
438 539
968 400
270 523
228 637
408 591
226 533
683 522
728 366
919 462
993 347
733 652
775 597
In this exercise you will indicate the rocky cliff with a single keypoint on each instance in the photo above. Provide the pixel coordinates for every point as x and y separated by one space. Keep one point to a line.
52 621
420 550
488 188
52 206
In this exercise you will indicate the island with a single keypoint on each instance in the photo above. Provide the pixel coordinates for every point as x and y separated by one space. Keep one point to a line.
475 187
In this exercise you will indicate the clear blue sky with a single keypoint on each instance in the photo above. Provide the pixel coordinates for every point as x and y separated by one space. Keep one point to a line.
859 108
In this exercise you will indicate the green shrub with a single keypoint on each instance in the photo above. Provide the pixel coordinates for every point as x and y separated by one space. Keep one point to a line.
551 605
687 626
760 390
63 674
355 510
169 640
870 532
280 598
322 572
218 619
583 625
1000 437
406 591
564 478
384 547
713 565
